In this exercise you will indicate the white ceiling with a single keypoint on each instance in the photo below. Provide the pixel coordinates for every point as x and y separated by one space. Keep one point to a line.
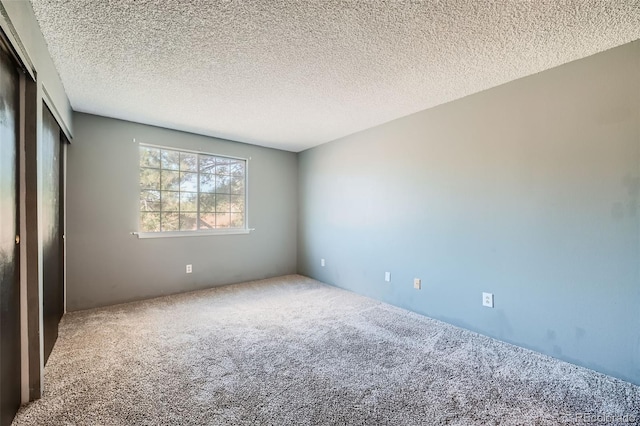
292 74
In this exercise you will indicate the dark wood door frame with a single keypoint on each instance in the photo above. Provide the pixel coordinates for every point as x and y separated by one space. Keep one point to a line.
33 96
53 230
10 318
30 249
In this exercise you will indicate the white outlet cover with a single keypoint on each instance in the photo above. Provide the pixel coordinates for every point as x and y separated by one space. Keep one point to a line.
387 276
322 262
487 300
189 269
417 283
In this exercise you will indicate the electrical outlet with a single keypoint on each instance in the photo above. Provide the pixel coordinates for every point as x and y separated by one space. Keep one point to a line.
487 300
417 283
322 263
387 277
189 269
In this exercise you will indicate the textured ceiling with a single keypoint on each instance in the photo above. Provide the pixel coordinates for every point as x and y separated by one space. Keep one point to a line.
294 74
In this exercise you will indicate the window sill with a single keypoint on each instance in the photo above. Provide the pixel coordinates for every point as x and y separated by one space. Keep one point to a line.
144 235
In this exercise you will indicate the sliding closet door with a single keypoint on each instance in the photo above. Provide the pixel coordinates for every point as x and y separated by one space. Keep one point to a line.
52 229
9 253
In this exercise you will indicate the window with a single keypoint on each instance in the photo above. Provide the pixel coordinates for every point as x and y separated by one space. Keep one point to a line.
191 191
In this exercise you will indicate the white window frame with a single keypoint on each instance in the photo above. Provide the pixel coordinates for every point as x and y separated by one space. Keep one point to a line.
199 232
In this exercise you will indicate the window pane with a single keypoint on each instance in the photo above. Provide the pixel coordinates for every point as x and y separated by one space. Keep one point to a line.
223 220
207 164
207 203
170 222
207 183
149 222
236 167
170 159
190 191
149 201
149 179
223 184
170 180
222 166
188 221
170 201
149 157
223 203
237 220
189 182
237 204
207 220
236 185
188 202
188 162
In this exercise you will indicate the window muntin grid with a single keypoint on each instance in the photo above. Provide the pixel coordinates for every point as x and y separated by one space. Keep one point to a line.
190 191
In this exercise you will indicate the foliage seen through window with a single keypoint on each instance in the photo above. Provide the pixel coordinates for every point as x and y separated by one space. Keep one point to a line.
187 191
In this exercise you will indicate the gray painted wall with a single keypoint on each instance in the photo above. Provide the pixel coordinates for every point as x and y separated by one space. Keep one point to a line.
529 190
107 265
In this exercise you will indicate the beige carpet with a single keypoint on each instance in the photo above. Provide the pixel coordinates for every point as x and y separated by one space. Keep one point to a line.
290 351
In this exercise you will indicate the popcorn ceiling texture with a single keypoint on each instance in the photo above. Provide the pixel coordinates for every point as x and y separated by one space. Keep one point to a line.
295 74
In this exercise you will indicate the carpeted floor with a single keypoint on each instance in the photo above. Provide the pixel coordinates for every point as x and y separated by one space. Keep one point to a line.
291 351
